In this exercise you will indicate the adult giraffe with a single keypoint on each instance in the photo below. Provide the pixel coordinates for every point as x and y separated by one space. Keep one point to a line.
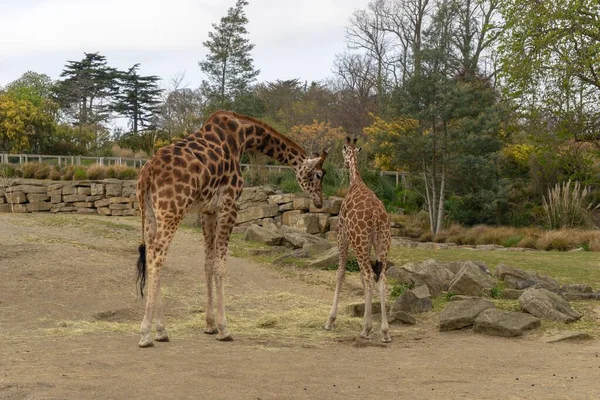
202 172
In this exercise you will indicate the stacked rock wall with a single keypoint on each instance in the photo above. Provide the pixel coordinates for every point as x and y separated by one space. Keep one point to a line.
257 205
105 197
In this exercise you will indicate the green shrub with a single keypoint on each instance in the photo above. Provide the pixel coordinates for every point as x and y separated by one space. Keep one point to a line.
8 171
128 174
79 174
397 290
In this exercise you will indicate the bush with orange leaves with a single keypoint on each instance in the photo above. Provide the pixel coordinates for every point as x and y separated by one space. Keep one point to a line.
317 137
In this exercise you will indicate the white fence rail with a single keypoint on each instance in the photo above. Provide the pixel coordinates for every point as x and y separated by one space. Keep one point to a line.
63 161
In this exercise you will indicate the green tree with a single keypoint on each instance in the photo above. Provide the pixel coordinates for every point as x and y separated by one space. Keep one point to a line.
28 114
228 66
86 93
138 99
549 55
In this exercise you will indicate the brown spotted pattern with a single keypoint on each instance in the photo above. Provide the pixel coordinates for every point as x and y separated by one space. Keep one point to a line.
202 173
363 223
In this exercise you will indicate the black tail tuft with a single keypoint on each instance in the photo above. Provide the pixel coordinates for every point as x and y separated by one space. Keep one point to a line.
141 268
377 268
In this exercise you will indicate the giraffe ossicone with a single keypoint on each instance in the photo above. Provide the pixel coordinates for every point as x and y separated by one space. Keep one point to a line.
202 173
363 223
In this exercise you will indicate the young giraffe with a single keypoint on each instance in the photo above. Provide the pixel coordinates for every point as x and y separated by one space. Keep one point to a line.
202 172
363 222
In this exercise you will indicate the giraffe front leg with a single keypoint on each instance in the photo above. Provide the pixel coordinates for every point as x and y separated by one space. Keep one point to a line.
225 223
209 223
340 275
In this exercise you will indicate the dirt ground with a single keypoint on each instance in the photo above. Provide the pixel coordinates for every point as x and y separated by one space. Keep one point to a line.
69 320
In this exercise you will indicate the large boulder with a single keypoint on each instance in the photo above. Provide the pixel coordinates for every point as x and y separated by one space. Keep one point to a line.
456 266
504 323
330 206
328 258
254 213
259 234
431 273
545 304
413 303
300 239
515 278
462 314
577 288
307 222
402 317
471 281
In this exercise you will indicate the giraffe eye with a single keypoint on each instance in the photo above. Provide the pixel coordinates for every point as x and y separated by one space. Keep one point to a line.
319 175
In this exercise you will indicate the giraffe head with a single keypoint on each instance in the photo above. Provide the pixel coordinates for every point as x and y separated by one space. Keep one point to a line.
350 151
310 178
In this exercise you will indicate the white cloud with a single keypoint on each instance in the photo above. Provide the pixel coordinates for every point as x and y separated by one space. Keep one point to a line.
293 38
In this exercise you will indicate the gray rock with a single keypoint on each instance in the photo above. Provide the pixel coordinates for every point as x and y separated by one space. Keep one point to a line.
471 281
41 206
422 291
317 248
358 309
281 198
520 279
462 314
37 197
307 222
288 258
455 266
330 257
330 206
580 296
570 337
544 304
577 288
402 317
411 303
512 294
300 239
504 323
254 213
400 275
333 223
259 234
431 273
30 189
301 204
16 197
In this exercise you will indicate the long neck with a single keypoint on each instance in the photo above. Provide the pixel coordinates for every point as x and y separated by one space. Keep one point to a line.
273 144
354 174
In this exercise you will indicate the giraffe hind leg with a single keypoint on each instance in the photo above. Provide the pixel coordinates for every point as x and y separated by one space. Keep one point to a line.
158 245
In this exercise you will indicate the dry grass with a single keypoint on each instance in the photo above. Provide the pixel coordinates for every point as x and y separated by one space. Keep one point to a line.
96 172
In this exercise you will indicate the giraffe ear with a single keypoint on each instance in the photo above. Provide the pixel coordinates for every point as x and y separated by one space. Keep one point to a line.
354 141
358 149
348 140
312 162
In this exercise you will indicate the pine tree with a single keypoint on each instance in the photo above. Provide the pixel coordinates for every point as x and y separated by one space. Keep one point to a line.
138 99
228 65
87 90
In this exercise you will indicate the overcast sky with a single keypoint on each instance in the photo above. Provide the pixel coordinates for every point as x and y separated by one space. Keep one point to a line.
293 38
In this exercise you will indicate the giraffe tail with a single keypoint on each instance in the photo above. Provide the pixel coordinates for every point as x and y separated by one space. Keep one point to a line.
141 263
141 268
377 269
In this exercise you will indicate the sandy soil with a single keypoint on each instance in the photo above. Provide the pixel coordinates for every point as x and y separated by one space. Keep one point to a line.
69 317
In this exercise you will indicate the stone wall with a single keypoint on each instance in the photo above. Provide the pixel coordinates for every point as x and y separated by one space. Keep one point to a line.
257 205
105 197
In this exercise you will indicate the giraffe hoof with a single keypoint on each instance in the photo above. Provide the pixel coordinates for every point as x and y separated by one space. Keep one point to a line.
386 339
146 343
210 331
225 337
329 327
162 338
364 337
